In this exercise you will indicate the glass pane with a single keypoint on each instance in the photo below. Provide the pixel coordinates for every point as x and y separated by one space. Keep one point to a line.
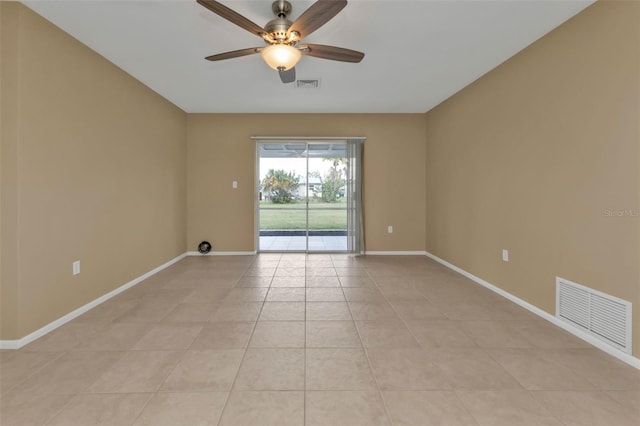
327 230
283 196
283 170
327 176
283 230
283 220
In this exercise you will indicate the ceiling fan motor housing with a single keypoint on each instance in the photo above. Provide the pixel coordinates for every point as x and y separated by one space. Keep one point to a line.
277 29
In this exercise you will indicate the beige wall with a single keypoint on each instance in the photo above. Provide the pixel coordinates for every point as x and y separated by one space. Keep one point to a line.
531 156
93 169
220 151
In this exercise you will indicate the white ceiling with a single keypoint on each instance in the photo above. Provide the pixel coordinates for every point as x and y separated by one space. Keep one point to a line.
418 53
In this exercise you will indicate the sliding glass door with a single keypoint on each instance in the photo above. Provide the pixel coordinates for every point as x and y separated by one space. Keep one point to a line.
306 196
327 197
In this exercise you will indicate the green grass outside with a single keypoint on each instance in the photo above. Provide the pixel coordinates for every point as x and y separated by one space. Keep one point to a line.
300 205
296 219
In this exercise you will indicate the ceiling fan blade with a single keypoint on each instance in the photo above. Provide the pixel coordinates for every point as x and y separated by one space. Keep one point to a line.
331 52
316 16
232 16
233 54
288 76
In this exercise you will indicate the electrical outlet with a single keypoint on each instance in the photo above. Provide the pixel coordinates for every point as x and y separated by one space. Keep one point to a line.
76 267
505 255
234 184
390 229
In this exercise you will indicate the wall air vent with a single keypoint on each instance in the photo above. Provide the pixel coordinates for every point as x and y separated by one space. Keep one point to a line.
600 315
307 84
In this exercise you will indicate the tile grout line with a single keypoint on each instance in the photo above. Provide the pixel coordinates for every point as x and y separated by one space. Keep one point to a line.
246 349
304 360
151 396
366 355
33 373
53 416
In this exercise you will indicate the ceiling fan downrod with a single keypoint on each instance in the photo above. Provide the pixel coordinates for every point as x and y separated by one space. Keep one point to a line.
281 8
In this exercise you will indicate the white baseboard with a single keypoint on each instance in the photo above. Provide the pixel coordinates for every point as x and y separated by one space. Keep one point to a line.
629 359
395 253
223 253
17 344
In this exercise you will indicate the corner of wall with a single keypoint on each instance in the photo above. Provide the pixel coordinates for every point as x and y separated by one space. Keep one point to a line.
9 110
426 181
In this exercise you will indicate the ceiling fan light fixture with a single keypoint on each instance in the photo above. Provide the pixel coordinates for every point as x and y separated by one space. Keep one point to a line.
281 56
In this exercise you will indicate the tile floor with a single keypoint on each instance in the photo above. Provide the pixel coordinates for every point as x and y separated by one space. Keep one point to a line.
313 340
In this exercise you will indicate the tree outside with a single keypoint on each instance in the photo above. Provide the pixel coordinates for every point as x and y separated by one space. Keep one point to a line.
281 186
333 182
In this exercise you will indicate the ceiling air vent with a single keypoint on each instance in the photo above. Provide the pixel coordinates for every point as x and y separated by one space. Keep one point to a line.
307 84
601 315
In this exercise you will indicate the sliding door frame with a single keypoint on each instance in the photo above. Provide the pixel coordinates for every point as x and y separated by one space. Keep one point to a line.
266 140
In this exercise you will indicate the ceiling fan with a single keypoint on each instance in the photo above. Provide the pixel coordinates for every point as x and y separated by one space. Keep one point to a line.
283 50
